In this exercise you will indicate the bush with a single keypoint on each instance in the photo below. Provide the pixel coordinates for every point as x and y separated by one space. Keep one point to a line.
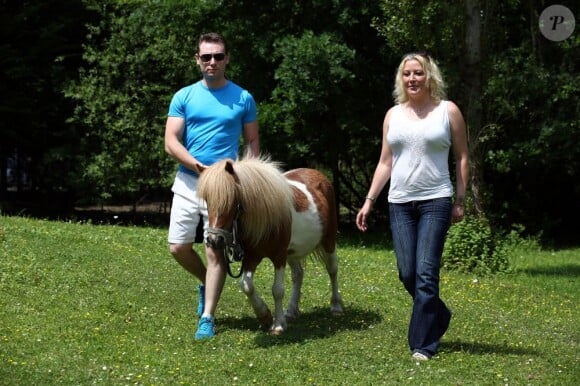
473 246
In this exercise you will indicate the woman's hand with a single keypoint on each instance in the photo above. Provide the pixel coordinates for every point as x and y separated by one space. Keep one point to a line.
457 213
363 215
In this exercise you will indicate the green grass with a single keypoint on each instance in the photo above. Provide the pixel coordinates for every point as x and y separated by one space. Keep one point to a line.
83 304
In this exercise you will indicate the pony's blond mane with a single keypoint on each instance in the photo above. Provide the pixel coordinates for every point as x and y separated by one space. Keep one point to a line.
262 190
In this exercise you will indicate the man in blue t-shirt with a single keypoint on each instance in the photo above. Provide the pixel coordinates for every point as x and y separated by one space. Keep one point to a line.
204 124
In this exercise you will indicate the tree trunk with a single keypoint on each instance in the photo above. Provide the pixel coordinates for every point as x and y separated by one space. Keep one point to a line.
473 113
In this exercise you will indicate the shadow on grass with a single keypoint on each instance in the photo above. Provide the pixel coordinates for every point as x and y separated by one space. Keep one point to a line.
317 323
480 348
571 270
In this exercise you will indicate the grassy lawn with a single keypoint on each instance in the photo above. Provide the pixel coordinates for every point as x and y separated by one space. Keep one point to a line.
83 304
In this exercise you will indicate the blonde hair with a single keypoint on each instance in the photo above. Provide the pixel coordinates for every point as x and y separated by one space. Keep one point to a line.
434 79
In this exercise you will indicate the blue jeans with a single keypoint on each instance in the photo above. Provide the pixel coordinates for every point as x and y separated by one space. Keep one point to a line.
419 229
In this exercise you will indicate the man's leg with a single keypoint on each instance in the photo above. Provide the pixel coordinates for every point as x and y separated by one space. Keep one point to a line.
214 284
214 280
189 259
183 224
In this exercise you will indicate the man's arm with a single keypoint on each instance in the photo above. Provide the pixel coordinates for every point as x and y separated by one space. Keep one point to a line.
252 138
173 133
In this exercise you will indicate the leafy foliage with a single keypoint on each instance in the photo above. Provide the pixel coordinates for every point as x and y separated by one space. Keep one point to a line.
545 155
39 55
473 246
402 21
311 73
135 62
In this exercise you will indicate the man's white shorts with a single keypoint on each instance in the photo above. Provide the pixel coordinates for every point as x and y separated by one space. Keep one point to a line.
185 216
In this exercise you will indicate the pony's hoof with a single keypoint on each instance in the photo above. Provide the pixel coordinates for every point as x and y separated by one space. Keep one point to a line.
291 316
276 331
336 308
266 320
336 312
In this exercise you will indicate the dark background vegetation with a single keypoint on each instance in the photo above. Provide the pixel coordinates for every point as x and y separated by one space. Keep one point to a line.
85 87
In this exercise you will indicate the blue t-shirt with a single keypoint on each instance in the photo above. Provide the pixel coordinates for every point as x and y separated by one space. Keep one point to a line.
214 119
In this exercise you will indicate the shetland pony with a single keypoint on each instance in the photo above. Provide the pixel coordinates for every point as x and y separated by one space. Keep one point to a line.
256 211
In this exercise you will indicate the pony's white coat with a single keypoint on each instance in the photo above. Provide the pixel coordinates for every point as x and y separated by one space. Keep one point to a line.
306 226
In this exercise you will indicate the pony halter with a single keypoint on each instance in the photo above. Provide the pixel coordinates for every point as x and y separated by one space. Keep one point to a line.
228 242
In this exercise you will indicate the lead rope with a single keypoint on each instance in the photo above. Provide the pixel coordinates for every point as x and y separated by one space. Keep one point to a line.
234 253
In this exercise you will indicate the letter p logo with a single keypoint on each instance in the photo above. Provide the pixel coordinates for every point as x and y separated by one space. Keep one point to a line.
557 23
556 20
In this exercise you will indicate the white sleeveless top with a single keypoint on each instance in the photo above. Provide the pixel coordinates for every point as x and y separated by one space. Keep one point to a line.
420 169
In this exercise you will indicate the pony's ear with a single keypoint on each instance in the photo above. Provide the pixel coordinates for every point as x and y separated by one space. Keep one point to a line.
229 166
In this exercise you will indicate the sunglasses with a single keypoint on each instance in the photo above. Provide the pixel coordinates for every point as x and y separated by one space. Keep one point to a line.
207 57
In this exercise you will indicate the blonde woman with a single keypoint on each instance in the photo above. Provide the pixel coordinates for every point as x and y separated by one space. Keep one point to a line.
418 133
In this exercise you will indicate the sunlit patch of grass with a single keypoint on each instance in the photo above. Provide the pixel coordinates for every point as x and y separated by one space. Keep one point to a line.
85 304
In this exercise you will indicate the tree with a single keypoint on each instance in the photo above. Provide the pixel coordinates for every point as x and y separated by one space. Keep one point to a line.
533 124
137 57
312 73
41 50
325 96
322 73
302 72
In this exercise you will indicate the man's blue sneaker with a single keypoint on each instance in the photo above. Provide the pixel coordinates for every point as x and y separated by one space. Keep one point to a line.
205 328
201 301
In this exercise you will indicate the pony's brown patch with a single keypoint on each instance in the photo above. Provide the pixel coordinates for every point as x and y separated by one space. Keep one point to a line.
301 202
323 196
